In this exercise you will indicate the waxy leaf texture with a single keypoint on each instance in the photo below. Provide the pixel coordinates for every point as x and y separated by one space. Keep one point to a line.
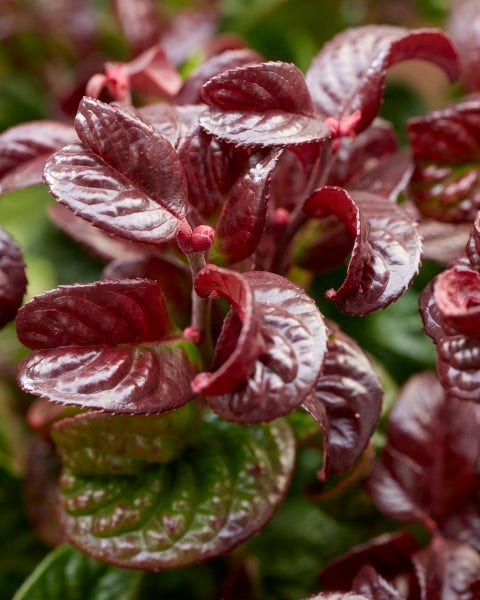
223 488
348 74
124 177
372 585
106 345
386 251
13 281
273 345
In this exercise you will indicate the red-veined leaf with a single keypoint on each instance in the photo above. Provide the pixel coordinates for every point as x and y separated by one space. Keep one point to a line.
106 345
386 252
124 178
349 72
13 281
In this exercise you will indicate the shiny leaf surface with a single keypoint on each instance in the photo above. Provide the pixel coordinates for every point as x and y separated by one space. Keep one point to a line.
13 281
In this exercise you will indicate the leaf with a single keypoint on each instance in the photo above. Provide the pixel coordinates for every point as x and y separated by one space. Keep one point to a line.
139 21
223 488
190 92
124 178
348 74
335 596
68 574
447 151
464 526
270 349
25 148
447 569
152 73
106 345
473 244
443 242
463 28
428 468
457 297
261 105
13 281
242 220
369 582
386 252
458 366
346 402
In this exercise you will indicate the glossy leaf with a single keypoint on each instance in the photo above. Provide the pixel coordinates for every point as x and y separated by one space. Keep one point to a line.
106 345
68 574
242 220
190 92
153 74
459 366
270 350
25 148
369 583
457 296
98 444
386 252
428 468
463 27
447 569
348 74
222 489
446 152
443 242
13 281
346 402
473 244
124 177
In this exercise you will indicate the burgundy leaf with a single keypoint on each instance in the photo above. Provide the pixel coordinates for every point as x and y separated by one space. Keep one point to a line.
211 168
173 277
270 350
369 583
25 148
442 242
457 296
242 220
386 252
265 105
102 244
349 72
458 366
346 402
464 27
335 596
446 150
464 526
139 21
106 345
289 181
124 178
389 554
153 74
428 468
432 319
447 569
13 281
473 244
190 92
171 121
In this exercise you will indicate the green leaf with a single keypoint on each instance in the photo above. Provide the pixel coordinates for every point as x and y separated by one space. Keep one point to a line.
66 574
223 488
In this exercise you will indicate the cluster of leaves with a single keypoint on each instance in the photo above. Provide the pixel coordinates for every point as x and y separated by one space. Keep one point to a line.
167 424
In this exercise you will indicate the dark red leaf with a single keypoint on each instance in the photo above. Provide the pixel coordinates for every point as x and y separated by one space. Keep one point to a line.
153 74
102 244
448 569
464 526
171 121
106 345
346 402
191 89
270 350
386 252
458 366
464 27
457 296
124 178
473 244
369 583
428 468
446 150
349 72
13 281
24 150
335 596
139 21
442 242
431 317
242 220
389 554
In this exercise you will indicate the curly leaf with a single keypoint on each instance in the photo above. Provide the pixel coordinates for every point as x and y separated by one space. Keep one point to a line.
349 72
223 488
457 296
446 149
124 177
66 574
273 347
428 468
105 345
242 220
386 252
346 402
13 281
24 150
458 366
473 244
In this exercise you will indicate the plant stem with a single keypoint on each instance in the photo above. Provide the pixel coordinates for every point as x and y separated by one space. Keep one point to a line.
201 307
